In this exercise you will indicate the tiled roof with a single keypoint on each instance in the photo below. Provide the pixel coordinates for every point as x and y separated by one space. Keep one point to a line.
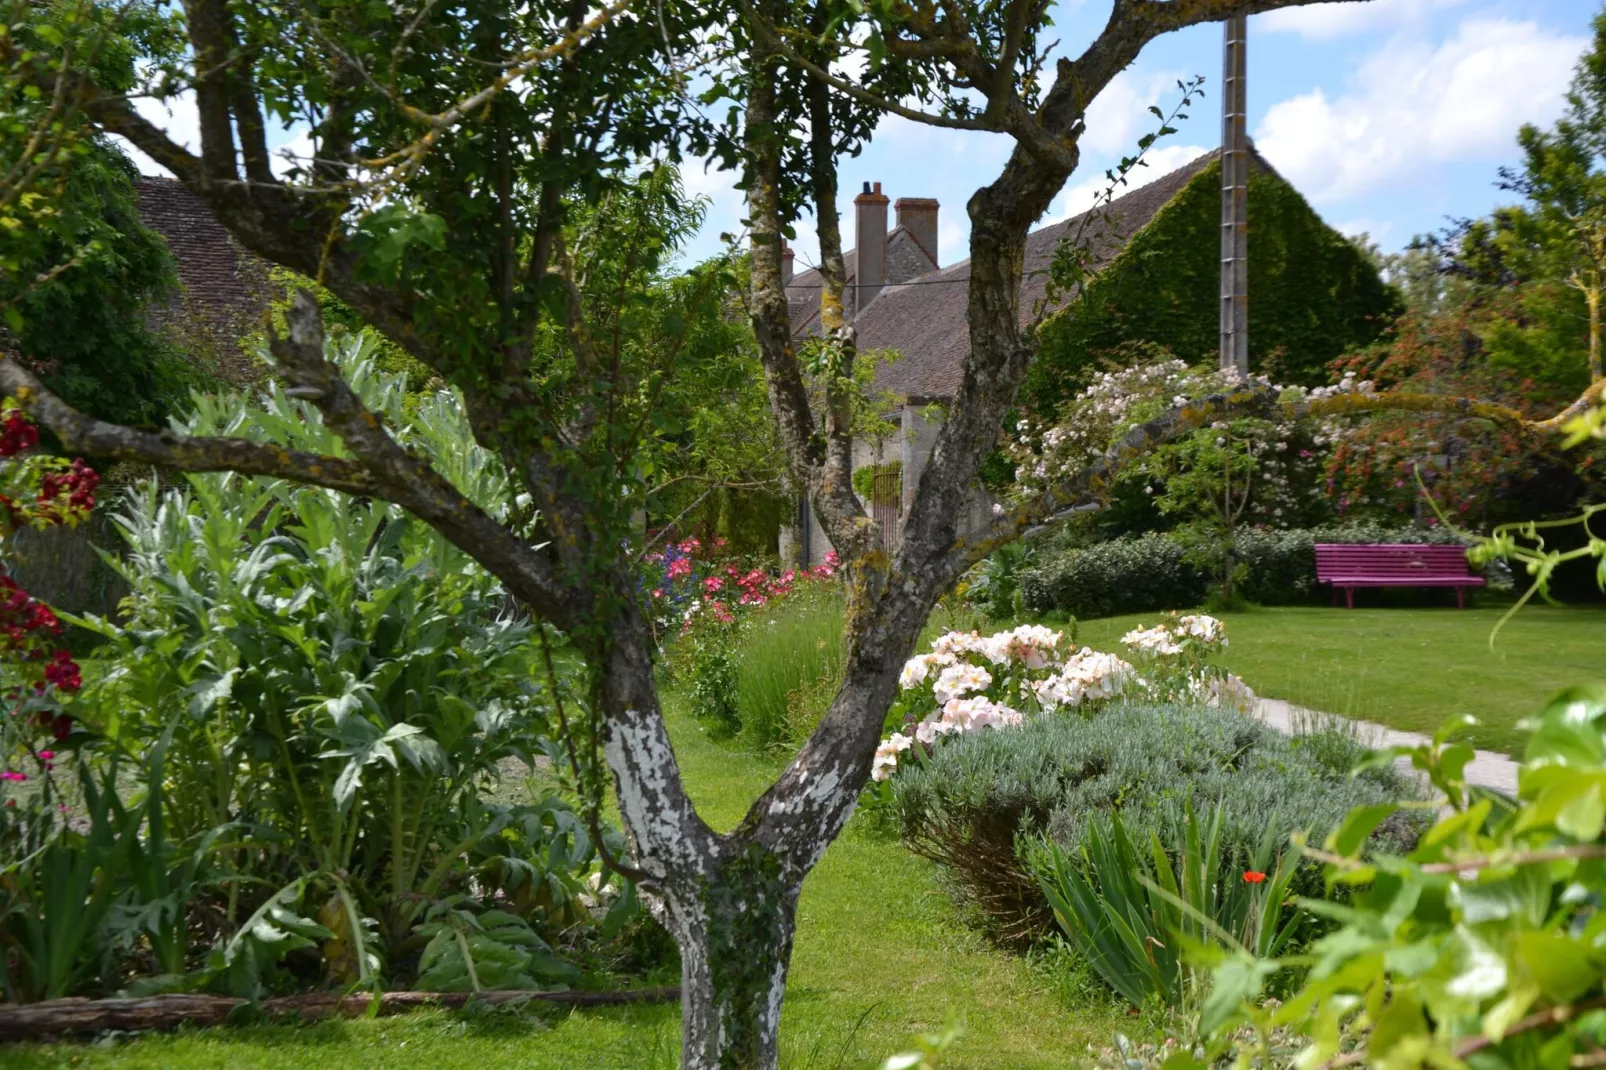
925 318
225 289
906 259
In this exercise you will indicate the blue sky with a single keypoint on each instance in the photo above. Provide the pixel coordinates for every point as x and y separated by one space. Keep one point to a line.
1388 115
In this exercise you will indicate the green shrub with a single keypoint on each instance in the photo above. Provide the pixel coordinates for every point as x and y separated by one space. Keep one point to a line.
1127 575
978 804
793 644
712 672
1280 566
335 685
1150 572
1123 903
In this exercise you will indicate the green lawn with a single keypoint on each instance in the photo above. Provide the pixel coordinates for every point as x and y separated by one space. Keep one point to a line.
879 957
1406 668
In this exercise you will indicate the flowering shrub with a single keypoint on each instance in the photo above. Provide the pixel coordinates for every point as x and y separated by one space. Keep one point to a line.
690 579
1278 463
1176 654
992 682
40 679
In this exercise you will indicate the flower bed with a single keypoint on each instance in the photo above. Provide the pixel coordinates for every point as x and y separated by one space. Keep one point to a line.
971 683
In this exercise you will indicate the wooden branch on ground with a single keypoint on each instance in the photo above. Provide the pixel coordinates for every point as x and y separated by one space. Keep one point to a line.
56 1017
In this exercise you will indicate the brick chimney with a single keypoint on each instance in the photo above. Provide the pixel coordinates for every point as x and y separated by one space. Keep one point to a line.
918 215
870 238
786 265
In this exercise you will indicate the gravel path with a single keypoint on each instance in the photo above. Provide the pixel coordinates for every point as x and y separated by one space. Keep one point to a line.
1487 769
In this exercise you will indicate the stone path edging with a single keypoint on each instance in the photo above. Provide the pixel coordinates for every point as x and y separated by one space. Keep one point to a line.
1487 769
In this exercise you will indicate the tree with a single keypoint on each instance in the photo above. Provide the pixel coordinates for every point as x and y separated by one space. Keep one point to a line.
437 206
1560 233
85 329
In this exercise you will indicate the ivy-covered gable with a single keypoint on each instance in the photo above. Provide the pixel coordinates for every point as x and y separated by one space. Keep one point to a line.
1313 294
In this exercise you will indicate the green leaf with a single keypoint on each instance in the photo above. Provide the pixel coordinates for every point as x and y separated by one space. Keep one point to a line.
1235 982
206 693
1563 968
1401 1020
1361 822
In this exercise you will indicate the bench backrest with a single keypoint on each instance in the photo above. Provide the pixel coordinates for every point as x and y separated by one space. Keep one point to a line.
1389 560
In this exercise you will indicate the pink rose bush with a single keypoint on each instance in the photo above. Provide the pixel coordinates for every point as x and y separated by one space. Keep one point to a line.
39 678
691 580
974 683
1177 652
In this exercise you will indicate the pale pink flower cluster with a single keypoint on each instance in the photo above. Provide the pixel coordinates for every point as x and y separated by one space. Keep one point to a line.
1087 676
961 679
1157 641
917 668
974 714
1208 630
1032 645
1225 692
1168 640
886 756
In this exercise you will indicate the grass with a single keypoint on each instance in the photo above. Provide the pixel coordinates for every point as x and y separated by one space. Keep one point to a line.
787 646
879 957
1406 668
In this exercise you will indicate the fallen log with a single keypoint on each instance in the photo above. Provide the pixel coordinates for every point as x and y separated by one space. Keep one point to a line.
58 1017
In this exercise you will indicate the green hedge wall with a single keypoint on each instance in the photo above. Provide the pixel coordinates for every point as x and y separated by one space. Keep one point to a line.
1146 573
1312 294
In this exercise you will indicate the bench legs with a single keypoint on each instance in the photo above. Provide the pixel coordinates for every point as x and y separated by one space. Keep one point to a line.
1460 598
1349 598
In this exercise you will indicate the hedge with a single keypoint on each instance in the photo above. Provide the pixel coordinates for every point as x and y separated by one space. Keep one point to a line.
1316 295
1147 573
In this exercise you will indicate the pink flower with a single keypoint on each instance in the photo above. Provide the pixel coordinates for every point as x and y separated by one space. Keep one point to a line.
657 592
712 584
46 755
15 777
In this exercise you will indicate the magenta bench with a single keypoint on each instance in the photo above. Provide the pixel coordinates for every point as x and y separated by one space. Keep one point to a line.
1396 564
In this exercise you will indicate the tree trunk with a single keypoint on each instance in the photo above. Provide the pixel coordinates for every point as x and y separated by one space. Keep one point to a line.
735 935
1592 298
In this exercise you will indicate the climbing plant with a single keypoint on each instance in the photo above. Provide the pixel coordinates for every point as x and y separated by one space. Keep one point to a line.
1315 293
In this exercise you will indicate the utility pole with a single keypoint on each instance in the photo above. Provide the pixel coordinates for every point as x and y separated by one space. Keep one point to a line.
1234 199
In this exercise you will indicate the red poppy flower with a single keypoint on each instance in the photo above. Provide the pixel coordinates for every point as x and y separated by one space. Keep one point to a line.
1253 876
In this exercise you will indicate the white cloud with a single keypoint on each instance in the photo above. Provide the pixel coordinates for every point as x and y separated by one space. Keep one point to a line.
1323 22
1417 105
295 152
1375 229
178 117
1120 115
1161 161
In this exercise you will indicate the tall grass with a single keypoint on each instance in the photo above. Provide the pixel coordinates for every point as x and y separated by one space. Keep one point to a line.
788 665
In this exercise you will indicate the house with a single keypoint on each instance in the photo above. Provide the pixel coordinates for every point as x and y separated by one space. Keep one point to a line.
1319 290
225 290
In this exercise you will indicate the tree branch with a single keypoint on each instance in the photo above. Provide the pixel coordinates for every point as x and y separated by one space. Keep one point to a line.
95 438
410 481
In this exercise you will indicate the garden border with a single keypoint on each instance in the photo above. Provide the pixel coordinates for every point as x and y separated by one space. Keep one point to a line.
55 1017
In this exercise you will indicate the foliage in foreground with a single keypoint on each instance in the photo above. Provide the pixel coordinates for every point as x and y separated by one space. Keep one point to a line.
314 695
1484 946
